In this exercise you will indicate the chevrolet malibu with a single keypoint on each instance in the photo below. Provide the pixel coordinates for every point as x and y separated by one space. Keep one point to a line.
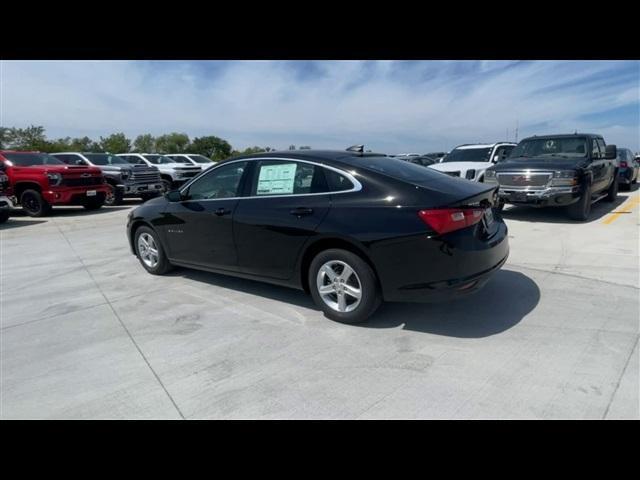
350 228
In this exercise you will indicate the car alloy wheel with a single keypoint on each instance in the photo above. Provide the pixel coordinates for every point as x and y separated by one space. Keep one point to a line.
148 250
339 286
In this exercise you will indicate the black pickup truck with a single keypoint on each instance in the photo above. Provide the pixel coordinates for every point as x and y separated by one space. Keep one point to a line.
571 171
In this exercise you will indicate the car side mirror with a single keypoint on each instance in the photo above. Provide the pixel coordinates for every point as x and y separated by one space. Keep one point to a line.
174 196
610 152
496 158
79 162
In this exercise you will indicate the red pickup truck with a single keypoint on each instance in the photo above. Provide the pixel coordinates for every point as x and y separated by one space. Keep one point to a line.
38 181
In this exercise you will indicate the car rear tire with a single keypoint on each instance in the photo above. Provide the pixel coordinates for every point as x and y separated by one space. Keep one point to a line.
114 197
4 216
612 192
150 252
581 209
33 204
344 286
168 185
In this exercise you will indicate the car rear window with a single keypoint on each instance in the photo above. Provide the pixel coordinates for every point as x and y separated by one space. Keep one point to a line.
396 168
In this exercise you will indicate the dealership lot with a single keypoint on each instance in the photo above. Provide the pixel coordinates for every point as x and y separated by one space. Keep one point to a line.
87 333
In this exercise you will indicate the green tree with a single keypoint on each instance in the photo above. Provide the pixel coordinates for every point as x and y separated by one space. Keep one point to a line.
30 138
250 150
59 145
144 144
84 144
4 136
115 143
172 143
211 146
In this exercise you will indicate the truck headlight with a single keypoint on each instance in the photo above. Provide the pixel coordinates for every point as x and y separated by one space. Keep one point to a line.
490 176
470 174
125 174
55 179
564 178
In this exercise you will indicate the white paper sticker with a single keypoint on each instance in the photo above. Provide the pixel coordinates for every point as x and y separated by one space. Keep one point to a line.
276 179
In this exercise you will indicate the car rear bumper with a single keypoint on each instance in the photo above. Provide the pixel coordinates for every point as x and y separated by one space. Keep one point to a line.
423 269
548 197
74 195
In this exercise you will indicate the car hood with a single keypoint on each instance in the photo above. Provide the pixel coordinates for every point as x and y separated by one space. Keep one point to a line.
541 163
460 166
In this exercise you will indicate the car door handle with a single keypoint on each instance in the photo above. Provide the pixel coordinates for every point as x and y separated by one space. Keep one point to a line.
301 211
222 211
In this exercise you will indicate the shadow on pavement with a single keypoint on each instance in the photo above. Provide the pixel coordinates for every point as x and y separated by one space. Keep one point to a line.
559 214
503 302
22 223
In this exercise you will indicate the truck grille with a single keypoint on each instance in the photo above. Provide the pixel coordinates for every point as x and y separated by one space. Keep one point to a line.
523 180
81 181
145 177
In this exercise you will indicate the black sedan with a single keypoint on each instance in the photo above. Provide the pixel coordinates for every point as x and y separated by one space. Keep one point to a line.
350 228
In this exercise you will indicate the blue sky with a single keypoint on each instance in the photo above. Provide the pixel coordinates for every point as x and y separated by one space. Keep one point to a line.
390 106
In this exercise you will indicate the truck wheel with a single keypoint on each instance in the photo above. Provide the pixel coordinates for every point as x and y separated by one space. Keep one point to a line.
344 286
94 204
582 208
612 193
499 206
150 252
114 197
4 216
33 204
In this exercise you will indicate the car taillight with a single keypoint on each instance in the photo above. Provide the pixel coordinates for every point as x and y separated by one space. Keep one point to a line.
623 164
444 220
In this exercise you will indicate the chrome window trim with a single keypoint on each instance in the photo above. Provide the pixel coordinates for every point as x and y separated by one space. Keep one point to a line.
357 186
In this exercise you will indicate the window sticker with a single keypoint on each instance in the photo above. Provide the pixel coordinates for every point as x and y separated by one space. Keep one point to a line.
276 179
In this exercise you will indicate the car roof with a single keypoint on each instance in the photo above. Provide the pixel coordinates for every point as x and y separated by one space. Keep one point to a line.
468 146
321 156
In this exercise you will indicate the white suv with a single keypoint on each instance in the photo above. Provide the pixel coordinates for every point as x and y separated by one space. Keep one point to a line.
192 159
173 174
470 161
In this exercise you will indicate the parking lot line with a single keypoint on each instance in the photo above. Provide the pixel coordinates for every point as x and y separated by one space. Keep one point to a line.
626 207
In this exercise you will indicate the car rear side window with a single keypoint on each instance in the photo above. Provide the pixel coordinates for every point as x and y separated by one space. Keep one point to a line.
288 177
337 182
396 168
70 159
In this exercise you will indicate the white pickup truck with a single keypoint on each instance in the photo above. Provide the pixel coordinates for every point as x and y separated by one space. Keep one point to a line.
192 159
472 160
173 174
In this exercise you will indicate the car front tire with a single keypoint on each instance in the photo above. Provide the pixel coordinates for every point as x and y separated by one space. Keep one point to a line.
612 192
114 197
4 216
150 252
344 286
581 209
33 204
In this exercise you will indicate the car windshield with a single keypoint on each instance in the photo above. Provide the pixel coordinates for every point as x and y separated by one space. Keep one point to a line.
468 155
200 159
158 159
31 159
105 159
563 147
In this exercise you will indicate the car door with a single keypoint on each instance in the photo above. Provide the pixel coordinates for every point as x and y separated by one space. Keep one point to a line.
199 229
287 201
609 169
598 167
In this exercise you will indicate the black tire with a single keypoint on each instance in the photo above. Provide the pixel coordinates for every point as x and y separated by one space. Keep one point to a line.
33 204
612 192
625 186
162 266
94 204
499 206
114 197
581 209
4 216
370 298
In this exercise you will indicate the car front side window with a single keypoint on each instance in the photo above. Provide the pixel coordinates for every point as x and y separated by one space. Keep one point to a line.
222 182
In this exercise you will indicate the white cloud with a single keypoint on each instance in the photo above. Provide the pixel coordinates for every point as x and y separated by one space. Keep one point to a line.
386 105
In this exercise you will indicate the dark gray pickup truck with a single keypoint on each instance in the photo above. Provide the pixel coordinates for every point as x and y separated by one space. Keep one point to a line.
126 180
572 171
